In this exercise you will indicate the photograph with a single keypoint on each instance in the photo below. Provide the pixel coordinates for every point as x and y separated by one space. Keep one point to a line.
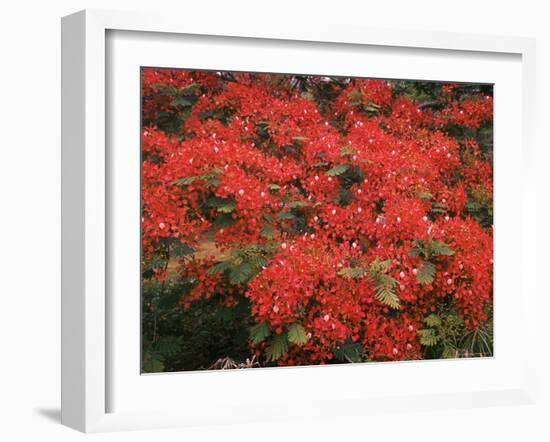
297 220
318 222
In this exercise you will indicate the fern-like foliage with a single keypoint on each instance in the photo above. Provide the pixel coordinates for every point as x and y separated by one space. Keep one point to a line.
349 351
428 337
228 207
449 352
219 267
241 273
259 332
426 273
479 341
432 320
379 266
384 284
244 263
346 151
339 169
210 178
169 345
446 336
430 248
152 363
440 248
296 334
353 272
425 195
278 347
385 291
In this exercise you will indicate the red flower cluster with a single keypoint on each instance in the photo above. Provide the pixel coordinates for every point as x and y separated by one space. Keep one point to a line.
349 221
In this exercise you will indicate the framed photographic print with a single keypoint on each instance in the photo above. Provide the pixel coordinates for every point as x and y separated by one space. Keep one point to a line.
324 216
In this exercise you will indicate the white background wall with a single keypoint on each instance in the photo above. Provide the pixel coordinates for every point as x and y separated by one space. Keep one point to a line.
30 216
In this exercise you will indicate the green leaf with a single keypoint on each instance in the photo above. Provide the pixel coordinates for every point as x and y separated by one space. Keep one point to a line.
440 248
241 273
426 273
385 291
267 231
299 138
428 337
181 101
219 267
296 334
339 169
420 248
349 352
227 208
214 174
296 204
384 284
371 108
224 220
152 363
479 340
449 353
259 332
424 195
225 314
321 164
215 171
186 180
285 215
215 201
346 151
430 248
278 347
257 261
169 345
432 320
163 89
274 187
355 94
189 89
415 251
378 266
182 249
168 300
352 272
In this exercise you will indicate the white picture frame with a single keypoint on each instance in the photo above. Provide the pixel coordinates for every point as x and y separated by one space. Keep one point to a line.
86 357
